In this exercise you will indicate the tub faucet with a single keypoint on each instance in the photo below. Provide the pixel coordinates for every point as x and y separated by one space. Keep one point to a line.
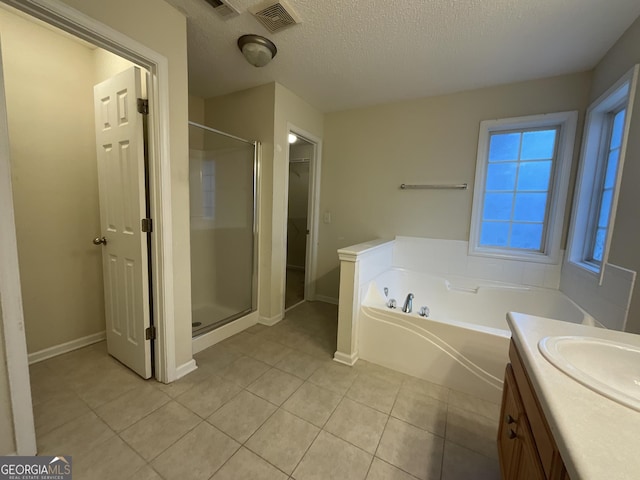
408 304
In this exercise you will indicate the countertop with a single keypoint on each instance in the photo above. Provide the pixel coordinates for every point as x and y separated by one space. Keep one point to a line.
597 438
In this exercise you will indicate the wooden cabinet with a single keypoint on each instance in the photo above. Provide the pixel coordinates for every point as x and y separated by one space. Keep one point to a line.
526 447
507 432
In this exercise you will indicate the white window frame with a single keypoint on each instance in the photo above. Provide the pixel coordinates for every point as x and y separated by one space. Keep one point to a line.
550 253
620 95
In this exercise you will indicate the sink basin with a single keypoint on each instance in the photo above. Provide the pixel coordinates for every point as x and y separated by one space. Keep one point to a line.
609 368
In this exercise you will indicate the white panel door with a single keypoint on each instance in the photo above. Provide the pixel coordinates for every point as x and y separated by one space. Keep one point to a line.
121 173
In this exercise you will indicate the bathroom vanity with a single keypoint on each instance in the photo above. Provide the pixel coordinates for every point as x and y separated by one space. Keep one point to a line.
526 446
554 427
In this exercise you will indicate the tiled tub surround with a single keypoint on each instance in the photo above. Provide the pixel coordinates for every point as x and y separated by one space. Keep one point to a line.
452 257
597 437
268 403
464 342
607 299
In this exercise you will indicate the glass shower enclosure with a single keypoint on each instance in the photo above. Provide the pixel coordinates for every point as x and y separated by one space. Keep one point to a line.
222 191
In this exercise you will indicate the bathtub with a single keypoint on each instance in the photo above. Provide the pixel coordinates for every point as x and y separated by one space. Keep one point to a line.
464 342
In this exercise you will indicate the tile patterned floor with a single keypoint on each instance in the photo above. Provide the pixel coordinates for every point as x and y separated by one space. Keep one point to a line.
268 403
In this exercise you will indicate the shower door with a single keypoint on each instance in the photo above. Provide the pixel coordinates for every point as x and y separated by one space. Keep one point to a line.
222 202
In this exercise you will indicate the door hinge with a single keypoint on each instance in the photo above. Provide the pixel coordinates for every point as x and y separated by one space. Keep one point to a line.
150 333
143 106
147 225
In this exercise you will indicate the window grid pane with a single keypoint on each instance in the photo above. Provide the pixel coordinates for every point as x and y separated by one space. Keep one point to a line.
515 209
609 168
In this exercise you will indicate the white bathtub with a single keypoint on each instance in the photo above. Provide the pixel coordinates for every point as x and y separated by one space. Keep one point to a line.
463 344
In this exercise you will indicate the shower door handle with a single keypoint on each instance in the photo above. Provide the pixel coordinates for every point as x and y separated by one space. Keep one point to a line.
99 241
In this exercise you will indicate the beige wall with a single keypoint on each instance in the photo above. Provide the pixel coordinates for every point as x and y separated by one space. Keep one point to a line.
55 185
369 152
7 442
166 34
625 244
196 135
106 65
196 109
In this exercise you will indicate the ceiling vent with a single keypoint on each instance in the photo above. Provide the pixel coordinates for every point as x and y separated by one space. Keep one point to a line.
224 9
275 15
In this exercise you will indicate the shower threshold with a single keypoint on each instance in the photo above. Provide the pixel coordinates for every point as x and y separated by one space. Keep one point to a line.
211 317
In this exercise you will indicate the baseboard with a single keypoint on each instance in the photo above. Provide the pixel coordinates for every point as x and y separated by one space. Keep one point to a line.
66 347
186 368
270 322
209 339
346 359
294 306
326 299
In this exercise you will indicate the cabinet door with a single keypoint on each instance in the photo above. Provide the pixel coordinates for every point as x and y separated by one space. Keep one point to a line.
528 466
508 444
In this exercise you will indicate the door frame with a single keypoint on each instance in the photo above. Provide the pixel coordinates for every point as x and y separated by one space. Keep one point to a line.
313 215
11 299
80 25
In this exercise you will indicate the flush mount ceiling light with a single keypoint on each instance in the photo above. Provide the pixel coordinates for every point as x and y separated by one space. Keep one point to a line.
293 138
257 50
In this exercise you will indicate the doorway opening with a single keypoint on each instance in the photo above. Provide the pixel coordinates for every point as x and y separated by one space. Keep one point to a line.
302 153
13 299
78 172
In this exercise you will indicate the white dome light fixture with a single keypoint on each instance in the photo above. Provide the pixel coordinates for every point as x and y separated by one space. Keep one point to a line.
256 49
293 138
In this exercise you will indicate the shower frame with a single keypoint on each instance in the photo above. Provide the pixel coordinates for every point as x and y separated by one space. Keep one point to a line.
255 232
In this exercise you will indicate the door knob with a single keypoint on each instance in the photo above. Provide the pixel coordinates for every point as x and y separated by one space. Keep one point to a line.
99 241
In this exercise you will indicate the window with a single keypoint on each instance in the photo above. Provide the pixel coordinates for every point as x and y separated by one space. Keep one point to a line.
521 181
600 172
604 197
208 188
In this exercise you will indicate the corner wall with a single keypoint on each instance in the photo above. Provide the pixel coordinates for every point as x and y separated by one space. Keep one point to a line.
625 250
369 152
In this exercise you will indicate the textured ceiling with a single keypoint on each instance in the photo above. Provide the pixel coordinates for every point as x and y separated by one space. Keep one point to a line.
351 53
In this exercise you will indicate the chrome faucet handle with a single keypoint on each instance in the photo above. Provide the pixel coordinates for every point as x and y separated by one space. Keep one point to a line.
424 311
392 303
386 292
